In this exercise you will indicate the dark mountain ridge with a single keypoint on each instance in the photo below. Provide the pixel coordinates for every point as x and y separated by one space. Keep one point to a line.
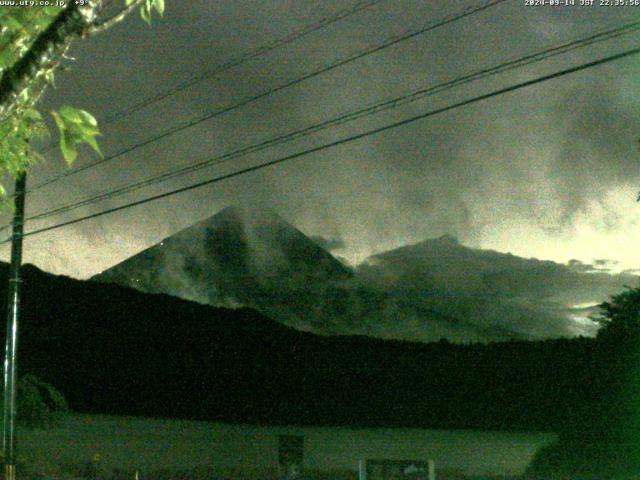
426 291
237 257
115 350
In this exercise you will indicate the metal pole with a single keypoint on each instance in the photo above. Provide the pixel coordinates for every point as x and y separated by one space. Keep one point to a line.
432 469
11 345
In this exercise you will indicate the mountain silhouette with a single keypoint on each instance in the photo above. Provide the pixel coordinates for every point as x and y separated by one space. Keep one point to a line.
437 288
115 350
237 257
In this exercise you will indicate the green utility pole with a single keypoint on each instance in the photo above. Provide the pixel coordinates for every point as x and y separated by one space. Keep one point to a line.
11 345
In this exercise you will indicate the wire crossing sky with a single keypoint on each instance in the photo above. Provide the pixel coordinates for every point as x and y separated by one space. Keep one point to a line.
372 49
234 62
486 96
373 109
549 172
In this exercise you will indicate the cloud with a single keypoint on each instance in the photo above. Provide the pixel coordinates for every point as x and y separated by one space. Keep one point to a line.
425 291
499 295
591 160
537 157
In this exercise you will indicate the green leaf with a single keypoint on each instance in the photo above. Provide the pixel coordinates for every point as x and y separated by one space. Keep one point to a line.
145 11
159 6
59 122
44 20
88 119
7 57
24 95
32 114
88 131
68 147
12 23
91 140
75 126
71 114
49 77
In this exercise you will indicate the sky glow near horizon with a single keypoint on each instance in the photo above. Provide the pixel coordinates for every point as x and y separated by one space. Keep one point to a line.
607 230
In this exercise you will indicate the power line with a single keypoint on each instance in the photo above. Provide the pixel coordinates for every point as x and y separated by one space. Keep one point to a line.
290 83
342 141
348 117
239 60
234 62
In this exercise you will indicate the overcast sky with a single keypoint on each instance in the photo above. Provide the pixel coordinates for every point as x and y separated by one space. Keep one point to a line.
550 171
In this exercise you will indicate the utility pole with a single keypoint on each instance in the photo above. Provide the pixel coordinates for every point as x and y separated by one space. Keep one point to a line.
11 345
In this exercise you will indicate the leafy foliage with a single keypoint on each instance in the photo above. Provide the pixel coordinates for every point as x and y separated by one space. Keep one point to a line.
75 126
602 439
19 28
147 7
40 405
620 317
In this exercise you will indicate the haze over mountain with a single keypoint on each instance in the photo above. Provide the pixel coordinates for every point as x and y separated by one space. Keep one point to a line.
238 258
115 350
433 289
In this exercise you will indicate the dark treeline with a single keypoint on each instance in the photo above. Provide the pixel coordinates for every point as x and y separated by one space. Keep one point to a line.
118 351
601 439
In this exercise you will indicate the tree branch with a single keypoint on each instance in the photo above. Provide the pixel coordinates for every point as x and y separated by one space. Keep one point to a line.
47 48
99 27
